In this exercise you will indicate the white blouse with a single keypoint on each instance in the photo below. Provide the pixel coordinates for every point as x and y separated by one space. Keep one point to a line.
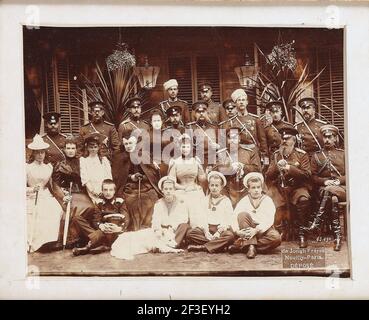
262 215
95 171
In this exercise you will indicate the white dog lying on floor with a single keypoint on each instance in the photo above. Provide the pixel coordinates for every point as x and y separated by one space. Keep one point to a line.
128 244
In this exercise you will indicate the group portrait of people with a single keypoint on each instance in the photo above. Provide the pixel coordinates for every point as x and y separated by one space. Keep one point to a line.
217 177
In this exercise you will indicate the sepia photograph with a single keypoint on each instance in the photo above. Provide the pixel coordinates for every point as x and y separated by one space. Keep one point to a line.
186 151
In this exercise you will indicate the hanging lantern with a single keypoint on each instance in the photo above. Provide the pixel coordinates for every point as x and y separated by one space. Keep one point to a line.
246 74
147 75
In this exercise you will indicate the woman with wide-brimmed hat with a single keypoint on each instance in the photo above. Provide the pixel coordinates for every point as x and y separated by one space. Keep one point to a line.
43 210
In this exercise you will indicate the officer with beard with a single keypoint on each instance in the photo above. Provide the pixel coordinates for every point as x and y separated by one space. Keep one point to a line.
54 138
309 129
204 134
215 111
111 142
134 121
288 179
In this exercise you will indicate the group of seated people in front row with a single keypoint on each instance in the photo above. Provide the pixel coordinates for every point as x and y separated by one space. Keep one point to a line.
110 188
204 223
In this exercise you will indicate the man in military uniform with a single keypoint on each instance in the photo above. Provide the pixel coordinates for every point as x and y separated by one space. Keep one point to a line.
54 138
134 121
230 111
272 130
288 179
111 142
234 162
171 87
252 130
215 111
172 133
309 128
204 134
108 219
328 172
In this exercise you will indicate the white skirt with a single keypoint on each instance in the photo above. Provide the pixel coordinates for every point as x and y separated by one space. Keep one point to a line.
43 219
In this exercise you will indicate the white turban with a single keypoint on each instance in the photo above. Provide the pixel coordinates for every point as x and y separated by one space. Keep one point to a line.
170 83
238 93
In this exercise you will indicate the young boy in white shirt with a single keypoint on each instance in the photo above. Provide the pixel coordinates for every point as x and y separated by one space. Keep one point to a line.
218 234
255 213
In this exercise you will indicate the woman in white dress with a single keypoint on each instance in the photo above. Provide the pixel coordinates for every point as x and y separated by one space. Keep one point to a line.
190 174
94 168
43 210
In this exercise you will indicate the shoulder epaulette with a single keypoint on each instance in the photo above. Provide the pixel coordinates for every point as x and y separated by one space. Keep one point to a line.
286 122
183 101
190 123
246 148
62 134
109 123
44 135
222 122
297 123
253 115
119 200
86 124
340 149
321 121
300 150
126 121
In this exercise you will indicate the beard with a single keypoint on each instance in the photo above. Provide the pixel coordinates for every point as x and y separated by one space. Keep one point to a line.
286 150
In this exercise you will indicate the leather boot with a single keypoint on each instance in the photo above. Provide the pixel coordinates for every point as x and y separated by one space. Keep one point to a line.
302 211
315 225
336 226
83 250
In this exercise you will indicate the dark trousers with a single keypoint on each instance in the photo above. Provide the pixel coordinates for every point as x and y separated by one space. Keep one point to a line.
197 236
96 237
264 242
180 233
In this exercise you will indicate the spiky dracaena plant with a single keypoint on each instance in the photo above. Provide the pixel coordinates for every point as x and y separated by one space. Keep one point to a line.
279 80
114 88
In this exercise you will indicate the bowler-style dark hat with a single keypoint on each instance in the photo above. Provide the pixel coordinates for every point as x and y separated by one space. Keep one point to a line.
94 137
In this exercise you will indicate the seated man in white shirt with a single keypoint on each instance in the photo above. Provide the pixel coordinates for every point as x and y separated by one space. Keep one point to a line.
217 233
255 213
171 212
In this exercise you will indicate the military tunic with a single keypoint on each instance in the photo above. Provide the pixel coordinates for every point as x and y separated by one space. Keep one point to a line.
215 112
250 160
252 131
273 136
107 129
186 116
296 181
329 164
308 143
205 141
55 153
107 211
129 125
